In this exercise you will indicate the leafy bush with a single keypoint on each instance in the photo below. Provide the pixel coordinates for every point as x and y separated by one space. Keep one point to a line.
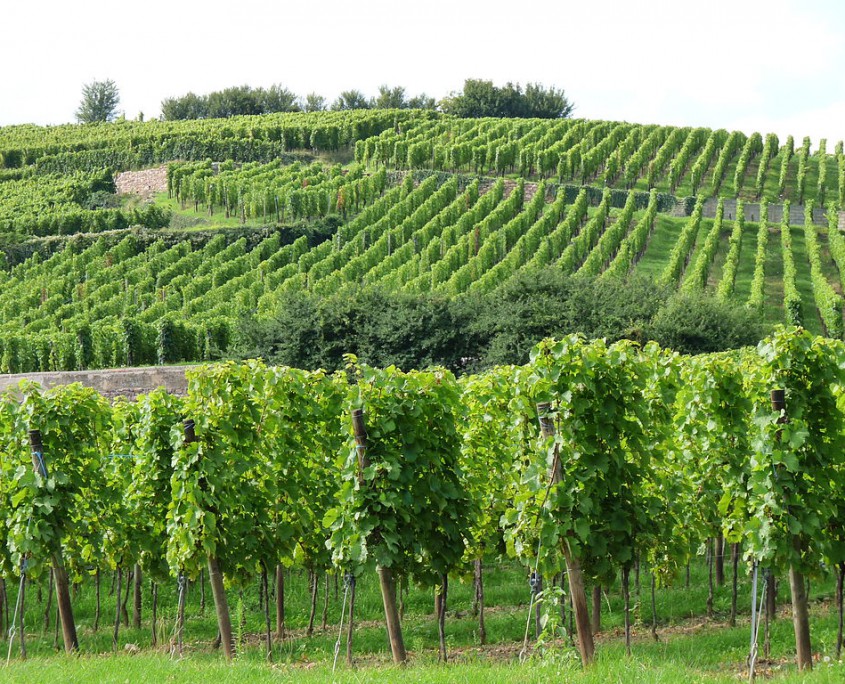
693 323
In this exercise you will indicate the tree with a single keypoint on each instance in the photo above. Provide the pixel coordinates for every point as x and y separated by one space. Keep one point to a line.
390 98
314 103
395 98
422 101
479 98
99 102
698 324
546 104
188 106
482 98
277 98
234 101
351 99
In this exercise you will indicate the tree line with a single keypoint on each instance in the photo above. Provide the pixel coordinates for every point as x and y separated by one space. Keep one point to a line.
476 332
479 98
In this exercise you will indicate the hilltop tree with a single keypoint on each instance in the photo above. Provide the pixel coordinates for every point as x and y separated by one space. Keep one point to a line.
190 106
351 99
422 101
277 98
99 102
314 103
395 98
482 98
391 98
234 101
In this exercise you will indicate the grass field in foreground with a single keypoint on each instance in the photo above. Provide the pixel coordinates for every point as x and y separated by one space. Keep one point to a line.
691 647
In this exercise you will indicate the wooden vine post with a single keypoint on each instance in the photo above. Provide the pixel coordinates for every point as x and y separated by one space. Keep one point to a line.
797 584
386 579
577 590
59 572
215 578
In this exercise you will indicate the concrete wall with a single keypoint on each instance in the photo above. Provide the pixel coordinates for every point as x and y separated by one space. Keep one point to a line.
118 382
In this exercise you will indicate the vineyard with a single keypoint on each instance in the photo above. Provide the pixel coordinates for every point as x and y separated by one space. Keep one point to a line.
598 471
420 210
593 461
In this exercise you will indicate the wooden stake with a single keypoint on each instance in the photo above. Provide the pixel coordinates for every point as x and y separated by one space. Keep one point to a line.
441 620
653 608
116 631
59 573
710 577
391 615
325 603
577 592
734 581
123 612
313 586
136 599
267 631
280 602
224 623
626 596
386 579
154 616
215 578
538 587
479 597
97 608
800 609
720 560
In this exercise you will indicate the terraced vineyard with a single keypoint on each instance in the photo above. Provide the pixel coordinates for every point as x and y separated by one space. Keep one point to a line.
431 204
592 460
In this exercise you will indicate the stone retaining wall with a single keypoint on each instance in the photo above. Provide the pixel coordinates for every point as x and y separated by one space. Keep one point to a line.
117 382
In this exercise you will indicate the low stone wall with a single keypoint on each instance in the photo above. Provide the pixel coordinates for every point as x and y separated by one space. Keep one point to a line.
116 382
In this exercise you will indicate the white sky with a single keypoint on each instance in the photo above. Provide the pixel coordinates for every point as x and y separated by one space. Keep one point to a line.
765 65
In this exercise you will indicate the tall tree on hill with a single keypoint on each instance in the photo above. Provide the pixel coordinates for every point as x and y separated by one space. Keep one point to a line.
390 98
314 103
234 101
395 98
422 101
190 106
99 102
352 99
482 98
277 98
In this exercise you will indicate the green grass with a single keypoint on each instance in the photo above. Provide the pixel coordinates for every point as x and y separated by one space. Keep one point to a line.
187 217
691 647
745 267
666 232
809 313
773 289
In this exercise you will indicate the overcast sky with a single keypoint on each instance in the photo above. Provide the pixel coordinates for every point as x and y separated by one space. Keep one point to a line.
764 65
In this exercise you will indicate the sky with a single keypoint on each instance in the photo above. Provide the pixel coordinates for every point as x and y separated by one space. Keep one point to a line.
751 65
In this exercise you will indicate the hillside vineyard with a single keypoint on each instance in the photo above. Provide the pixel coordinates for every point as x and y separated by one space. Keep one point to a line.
589 457
579 465
410 201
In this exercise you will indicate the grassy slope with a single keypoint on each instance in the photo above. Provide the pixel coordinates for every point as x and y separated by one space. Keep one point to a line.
666 232
745 269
